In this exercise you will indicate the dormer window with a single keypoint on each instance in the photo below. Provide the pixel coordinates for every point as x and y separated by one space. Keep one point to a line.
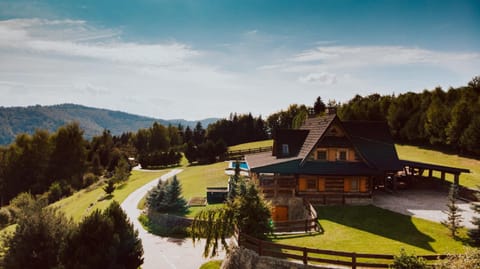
285 150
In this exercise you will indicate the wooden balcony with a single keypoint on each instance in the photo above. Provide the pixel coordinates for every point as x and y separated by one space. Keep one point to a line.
274 186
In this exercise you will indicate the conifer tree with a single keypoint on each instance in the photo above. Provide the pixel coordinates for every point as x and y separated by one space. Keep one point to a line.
110 187
474 233
454 217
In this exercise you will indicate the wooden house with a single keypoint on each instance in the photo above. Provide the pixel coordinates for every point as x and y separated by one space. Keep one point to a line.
326 161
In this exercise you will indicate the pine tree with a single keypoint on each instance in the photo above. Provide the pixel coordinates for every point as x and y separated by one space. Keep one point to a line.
175 202
474 233
110 187
156 197
454 217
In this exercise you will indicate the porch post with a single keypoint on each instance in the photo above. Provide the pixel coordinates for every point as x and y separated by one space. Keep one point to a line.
430 174
443 175
275 189
456 179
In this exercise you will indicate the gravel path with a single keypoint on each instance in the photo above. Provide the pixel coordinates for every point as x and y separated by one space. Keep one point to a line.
163 252
425 204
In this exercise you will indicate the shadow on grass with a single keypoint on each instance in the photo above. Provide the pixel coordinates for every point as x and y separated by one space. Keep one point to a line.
106 197
377 221
121 186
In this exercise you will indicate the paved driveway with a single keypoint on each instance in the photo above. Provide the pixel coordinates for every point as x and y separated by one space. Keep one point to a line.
423 204
163 252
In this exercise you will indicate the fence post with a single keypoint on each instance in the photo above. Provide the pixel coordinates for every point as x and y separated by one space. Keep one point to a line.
305 256
259 242
354 260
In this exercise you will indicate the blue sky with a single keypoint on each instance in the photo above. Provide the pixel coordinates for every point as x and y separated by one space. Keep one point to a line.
196 59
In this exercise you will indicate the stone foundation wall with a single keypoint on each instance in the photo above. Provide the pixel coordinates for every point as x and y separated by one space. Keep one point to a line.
241 258
296 209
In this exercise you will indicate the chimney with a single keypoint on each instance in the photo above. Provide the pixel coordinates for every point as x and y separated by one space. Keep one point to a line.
331 110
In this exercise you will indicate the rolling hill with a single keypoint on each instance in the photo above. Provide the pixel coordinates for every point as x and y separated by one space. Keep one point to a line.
16 120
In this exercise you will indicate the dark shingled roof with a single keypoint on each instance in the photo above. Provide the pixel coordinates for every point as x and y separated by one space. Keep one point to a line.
318 168
294 138
317 127
264 159
373 141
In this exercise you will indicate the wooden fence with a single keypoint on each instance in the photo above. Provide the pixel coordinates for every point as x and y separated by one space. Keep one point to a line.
309 256
242 152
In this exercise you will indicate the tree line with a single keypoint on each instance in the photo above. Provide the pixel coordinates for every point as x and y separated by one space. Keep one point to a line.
446 119
56 164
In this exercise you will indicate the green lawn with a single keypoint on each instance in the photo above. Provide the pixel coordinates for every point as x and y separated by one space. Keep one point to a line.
214 264
195 179
369 229
83 202
413 153
251 145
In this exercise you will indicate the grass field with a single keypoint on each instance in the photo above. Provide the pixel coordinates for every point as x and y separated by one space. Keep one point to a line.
251 145
195 179
471 180
83 202
369 229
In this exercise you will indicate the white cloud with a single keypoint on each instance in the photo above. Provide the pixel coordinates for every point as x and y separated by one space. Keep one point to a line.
43 36
323 78
357 56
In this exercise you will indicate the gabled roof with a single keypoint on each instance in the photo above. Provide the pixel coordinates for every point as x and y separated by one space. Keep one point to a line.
373 141
316 127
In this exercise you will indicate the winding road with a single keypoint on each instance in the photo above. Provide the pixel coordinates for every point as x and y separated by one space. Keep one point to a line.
163 252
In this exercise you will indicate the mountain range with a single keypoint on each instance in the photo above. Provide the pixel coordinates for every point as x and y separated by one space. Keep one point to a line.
16 120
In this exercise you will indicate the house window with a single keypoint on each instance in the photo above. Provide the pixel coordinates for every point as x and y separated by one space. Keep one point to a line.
341 155
355 185
322 155
311 183
356 156
285 150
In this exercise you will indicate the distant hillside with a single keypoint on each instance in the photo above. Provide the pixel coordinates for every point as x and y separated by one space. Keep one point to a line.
16 120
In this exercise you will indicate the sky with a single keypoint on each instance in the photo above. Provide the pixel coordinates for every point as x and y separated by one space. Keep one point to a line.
194 59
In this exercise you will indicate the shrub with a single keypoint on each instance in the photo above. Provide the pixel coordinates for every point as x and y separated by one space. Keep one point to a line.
467 260
405 261
54 192
89 179
5 217
38 240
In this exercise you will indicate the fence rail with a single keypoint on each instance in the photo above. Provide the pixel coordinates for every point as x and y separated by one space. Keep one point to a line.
243 152
309 256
